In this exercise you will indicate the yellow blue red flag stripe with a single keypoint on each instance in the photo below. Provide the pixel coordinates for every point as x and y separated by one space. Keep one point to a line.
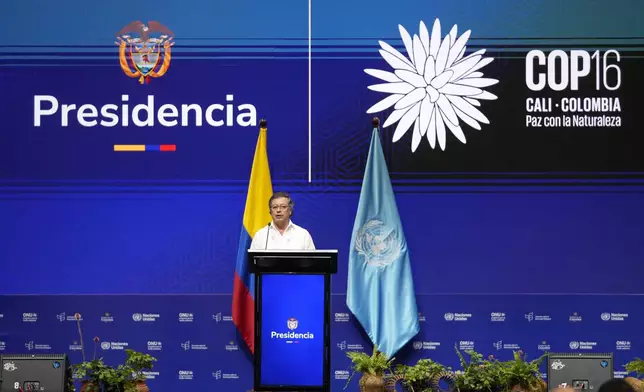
145 147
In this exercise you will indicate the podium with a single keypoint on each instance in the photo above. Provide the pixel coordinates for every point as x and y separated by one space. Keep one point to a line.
292 318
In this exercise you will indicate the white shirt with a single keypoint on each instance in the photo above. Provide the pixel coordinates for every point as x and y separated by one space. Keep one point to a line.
294 238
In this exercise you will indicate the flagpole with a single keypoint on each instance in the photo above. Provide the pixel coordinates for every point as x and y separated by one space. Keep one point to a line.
262 124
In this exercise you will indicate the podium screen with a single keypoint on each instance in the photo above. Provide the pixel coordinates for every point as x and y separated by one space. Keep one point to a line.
292 330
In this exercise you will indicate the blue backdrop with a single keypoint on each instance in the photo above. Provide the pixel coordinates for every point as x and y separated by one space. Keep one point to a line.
525 236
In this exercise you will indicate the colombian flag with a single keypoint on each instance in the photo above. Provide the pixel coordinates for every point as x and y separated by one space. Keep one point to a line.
256 216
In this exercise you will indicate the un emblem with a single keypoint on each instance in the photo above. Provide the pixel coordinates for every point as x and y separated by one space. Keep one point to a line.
378 243
291 323
144 50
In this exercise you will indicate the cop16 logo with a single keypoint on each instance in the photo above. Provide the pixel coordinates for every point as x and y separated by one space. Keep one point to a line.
560 70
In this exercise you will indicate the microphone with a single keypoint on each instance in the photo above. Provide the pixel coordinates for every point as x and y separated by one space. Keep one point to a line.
268 231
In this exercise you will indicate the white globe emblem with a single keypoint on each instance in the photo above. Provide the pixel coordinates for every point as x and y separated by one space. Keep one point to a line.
105 345
573 345
418 345
449 316
291 323
378 243
605 316
137 317
434 88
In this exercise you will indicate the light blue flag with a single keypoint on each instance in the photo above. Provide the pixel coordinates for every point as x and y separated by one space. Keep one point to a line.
380 289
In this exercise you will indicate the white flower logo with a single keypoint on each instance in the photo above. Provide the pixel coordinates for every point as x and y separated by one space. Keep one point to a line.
433 88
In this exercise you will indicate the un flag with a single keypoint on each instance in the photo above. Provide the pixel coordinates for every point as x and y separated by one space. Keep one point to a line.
380 289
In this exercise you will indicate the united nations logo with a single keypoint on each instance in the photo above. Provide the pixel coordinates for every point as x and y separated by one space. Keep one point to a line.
574 345
605 316
137 317
448 316
291 323
378 243
141 44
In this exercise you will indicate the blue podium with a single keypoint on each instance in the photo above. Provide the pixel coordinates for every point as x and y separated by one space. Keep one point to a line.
292 319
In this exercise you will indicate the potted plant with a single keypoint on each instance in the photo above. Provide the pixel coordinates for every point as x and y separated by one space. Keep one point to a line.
88 373
520 375
96 376
635 366
113 379
373 370
478 374
420 377
135 364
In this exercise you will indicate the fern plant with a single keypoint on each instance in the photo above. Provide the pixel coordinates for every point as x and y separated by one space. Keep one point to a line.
418 378
375 364
521 373
636 366
478 375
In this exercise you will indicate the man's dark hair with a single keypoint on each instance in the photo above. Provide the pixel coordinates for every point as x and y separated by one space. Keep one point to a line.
616 385
278 195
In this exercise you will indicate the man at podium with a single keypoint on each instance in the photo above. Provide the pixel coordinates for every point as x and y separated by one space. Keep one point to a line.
281 233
